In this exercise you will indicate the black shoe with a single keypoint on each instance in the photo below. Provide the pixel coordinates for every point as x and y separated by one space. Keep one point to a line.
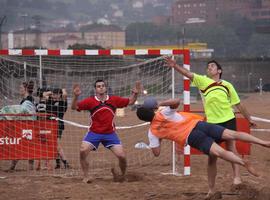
57 167
12 168
67 166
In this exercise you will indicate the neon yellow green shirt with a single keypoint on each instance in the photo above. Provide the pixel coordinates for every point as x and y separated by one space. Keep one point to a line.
218 100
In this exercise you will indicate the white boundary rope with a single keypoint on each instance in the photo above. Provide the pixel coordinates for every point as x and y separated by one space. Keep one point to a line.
260 119
87 127
260 130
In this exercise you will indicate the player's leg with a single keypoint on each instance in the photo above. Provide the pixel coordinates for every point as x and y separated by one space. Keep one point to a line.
89 143
211 173
113 143
233 135
204 137
231 146
118 151
200 140
217 134
84 151
231 157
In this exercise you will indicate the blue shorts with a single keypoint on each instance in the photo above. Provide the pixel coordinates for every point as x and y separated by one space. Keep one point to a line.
108 140
204 135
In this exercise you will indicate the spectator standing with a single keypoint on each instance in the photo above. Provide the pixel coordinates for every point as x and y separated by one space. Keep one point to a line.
56 104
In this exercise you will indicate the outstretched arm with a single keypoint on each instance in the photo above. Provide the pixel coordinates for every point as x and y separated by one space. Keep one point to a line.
172 63
173 103
76 94
245 113
134 93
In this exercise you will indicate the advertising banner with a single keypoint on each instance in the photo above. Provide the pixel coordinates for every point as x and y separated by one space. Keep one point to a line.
28 139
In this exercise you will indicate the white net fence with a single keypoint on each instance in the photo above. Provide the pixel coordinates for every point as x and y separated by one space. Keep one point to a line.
51 72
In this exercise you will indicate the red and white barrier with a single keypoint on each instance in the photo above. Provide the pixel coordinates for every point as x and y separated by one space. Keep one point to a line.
187 168
82 52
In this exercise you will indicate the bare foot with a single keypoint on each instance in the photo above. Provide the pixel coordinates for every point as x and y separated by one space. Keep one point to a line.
250 168
238 187
209 194
237 184
117 177
237 181
213 195
87 180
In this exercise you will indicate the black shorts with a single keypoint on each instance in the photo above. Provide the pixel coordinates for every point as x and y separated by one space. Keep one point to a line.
203 135
231 124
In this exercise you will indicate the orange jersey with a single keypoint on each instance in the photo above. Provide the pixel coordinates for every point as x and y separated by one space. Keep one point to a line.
175 130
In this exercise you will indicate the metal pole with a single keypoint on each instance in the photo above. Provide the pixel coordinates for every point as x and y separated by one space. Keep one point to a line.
2 21
260 86
173 82
183 40
173 146
24 67
40 71
24 27
249 79
137 34
24 36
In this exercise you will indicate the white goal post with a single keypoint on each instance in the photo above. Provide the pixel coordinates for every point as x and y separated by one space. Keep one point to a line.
120 68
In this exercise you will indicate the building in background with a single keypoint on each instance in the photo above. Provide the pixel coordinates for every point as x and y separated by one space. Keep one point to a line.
105 36
212 10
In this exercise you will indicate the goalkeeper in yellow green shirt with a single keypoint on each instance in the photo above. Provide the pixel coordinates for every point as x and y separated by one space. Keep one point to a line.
219 97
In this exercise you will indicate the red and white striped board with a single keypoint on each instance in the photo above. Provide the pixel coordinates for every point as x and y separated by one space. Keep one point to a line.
81 52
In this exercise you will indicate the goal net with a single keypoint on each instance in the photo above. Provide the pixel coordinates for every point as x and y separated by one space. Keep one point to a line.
61 70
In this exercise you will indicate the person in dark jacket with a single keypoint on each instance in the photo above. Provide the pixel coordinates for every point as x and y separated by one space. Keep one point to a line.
56 104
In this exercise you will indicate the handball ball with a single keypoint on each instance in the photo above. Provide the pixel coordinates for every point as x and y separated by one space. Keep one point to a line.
150 102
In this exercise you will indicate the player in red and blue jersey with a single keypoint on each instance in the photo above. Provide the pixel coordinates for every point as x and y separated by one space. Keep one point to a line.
102 108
